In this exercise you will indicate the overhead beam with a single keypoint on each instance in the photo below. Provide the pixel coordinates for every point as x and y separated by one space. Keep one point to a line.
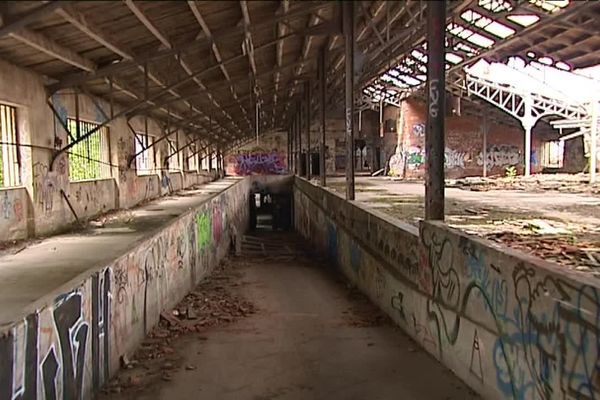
17 22
82 23
53 49
222 35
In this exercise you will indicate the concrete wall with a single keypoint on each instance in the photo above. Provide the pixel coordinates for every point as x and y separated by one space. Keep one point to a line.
511 326
72 343
268 157
464 145
44 211
14 213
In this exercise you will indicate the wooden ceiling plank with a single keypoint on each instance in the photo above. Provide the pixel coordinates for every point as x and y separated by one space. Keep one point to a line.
15 23
163 39
53 49
82 23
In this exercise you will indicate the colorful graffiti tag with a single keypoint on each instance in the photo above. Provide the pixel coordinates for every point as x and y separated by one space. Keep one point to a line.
257 163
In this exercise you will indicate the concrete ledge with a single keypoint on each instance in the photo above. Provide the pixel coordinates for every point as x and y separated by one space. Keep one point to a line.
509 325
68 342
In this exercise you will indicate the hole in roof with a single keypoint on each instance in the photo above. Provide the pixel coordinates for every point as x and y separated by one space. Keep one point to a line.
453 58
530 54
562 65
495 5
546 60
550 5
465 48
523 19
487 24
469 35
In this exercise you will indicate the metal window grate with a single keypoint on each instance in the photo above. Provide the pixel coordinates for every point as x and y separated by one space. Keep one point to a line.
144 161
10 161
90 158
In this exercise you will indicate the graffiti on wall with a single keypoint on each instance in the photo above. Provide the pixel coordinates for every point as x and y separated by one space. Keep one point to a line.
547 329
58 343
418 130
517 329
11 206
257 163
500 156
203 226
454 158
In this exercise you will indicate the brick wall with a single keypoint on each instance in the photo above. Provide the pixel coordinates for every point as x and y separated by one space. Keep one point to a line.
464 145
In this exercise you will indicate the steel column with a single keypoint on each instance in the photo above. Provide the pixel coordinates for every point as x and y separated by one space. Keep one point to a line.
299 135
484 150
436 107
594 142
323 89
349 35
307 121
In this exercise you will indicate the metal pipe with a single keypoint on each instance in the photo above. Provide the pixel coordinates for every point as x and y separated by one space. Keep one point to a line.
349 34
484 150
594 142
323 88
307 121
436 107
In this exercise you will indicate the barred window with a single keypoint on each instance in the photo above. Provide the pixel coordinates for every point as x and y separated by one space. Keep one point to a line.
89 158
144 160
174 164
10 161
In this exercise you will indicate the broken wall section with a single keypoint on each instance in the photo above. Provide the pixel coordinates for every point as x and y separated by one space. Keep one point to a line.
509 325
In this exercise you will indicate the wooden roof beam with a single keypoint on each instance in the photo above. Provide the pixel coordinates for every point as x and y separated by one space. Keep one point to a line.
165 42
196 11
53 49
17 22
82 23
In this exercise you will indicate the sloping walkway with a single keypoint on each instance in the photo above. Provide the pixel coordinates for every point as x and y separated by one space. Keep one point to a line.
311 338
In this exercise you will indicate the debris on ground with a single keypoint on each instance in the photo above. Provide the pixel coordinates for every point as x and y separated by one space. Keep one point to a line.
567 183
562 249
211 304
363 313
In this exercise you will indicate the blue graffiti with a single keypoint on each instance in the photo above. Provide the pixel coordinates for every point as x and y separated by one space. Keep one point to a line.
331 241
355 257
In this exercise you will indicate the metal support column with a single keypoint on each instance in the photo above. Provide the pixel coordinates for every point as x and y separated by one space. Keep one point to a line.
307 121
323 89
484 128
299 134
594 142
527 150
436 95
348 22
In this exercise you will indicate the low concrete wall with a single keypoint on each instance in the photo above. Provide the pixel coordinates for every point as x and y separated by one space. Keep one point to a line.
509 325
73 342
14 214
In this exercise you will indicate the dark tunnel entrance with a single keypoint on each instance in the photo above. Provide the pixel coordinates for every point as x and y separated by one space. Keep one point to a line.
270 210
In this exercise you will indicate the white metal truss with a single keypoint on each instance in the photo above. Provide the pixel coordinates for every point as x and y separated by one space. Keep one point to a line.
526 106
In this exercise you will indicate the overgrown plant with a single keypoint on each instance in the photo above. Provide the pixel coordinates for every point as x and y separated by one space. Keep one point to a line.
511 172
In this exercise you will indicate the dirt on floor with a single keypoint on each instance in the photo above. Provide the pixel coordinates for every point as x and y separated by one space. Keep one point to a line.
213 303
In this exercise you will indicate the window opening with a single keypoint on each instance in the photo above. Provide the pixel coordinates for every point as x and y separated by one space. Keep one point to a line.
10 161
89 158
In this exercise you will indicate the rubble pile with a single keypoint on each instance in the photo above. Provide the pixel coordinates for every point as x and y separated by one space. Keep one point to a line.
562 249
567 183
210 304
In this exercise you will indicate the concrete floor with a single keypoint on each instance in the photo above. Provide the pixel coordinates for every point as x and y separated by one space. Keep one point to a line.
404 200
304 343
